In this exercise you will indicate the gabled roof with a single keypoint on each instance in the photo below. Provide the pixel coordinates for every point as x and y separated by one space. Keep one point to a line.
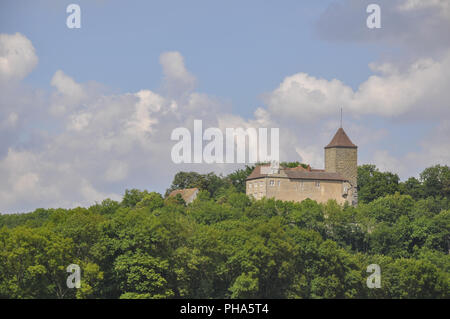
257 172
299 169
329 176
301 174
341 139
185 193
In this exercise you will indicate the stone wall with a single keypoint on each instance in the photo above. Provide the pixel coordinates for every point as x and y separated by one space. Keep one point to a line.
344 161
286 189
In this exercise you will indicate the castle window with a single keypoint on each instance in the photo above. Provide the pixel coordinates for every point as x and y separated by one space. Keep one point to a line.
279 183
317 184
272 183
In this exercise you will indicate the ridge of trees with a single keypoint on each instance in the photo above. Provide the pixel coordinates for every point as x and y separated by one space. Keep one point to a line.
227 245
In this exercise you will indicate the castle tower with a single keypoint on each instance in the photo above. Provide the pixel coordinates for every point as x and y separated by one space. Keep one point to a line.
341 156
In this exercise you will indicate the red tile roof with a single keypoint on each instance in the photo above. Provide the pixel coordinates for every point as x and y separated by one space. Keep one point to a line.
301 174
298 168
185 193
315 175
341 139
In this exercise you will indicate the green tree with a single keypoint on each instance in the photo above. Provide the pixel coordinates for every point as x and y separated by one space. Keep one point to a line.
132 197
34 262
239 177
436 181
151 201
210 182
373 184
142 276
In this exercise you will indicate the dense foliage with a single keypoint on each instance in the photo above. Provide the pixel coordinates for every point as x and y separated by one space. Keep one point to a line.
226 245
433 182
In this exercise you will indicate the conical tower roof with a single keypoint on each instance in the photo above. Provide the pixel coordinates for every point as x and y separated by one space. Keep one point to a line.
341 139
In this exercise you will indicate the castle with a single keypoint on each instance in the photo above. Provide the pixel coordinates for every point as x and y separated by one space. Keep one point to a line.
337 181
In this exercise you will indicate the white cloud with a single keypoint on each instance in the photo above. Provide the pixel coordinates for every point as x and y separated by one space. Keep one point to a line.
178 80
67 86
312 155
143 121
386 162
68 95
442 6
435 149
17 57
79 121
116 171
99 144
307 98
10 121
422 86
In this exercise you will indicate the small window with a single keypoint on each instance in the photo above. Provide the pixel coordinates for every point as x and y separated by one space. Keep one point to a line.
272 183
317 183
279 183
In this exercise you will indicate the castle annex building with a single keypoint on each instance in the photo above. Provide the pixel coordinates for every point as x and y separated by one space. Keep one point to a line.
337 181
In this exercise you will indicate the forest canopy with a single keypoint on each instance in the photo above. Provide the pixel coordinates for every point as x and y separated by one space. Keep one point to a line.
227 245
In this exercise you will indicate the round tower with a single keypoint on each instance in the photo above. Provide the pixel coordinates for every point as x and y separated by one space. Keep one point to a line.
341 156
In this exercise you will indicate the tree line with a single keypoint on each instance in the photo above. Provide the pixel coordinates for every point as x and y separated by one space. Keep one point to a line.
228 245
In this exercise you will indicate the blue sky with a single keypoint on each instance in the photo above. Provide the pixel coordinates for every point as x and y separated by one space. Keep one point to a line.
238 50
86 113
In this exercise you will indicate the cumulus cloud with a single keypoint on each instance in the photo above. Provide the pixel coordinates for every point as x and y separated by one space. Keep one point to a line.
306 98
116 171
17 57
67 86
94 145
32 180
86 145
390 93
177 79
10 121
68 94
441 6
434 148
